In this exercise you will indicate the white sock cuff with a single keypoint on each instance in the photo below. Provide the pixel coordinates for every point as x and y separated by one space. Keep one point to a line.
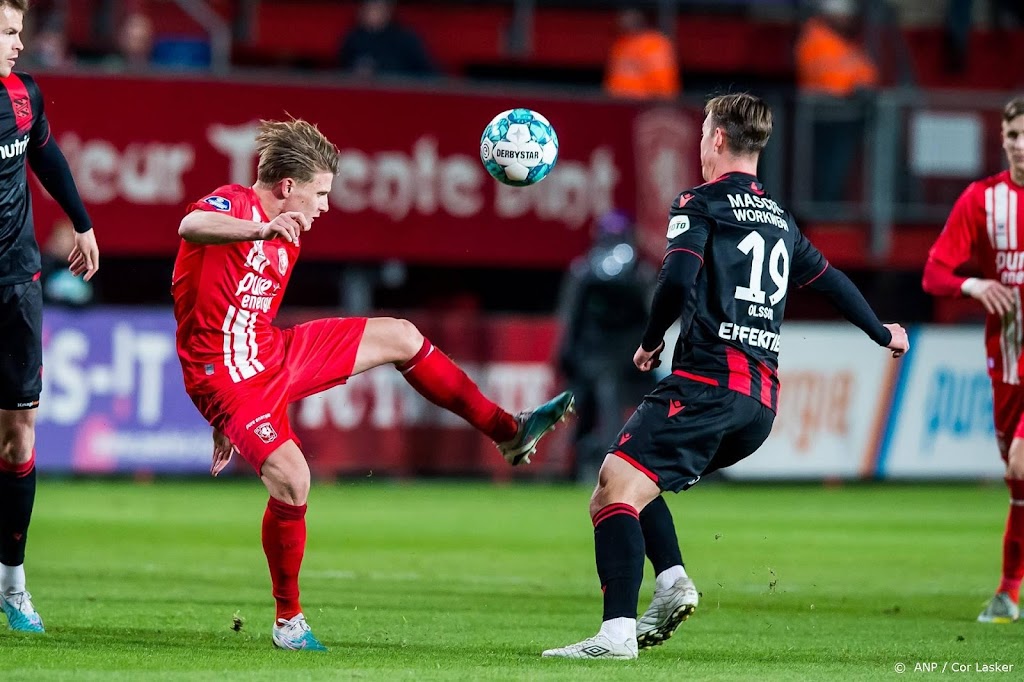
619 629
12 579
668 577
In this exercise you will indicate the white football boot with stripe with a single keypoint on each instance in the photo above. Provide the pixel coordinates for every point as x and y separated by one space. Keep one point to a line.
598 646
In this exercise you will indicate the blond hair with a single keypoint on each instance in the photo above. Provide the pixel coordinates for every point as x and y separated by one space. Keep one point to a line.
745 119
292 149
1014 108
17 5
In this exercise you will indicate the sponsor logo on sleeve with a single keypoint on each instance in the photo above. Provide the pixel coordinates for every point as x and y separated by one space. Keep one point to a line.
678 225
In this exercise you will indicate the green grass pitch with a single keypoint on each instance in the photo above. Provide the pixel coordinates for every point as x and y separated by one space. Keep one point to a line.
472 582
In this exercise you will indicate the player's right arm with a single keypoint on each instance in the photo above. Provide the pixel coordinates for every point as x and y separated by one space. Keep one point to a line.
953 249
213 227
688 232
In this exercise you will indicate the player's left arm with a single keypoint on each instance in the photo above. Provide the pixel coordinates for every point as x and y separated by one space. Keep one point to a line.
51 167
811 269
688 235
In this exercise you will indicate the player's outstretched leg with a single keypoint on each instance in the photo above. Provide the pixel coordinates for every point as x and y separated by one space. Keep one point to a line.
675 596
17 497
442 382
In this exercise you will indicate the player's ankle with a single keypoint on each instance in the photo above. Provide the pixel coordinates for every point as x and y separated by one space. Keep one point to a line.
669 577
1011 586
619 629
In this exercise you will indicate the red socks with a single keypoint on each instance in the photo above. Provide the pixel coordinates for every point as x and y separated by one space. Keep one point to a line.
442 382
1013 542
284 542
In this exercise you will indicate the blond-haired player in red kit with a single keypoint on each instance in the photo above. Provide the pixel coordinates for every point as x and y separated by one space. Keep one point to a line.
239 246
985 226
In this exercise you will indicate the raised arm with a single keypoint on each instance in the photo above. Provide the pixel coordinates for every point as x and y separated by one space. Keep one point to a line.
211 227
810 269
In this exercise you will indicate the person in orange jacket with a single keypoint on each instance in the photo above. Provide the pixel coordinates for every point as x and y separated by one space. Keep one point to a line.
827 60
830 63
642 62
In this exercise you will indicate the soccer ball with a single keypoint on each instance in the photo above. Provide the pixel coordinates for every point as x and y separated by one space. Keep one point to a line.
519 147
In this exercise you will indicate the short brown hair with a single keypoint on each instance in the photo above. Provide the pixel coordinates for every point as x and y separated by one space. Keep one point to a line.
293 149
17 5
745 119
1014 108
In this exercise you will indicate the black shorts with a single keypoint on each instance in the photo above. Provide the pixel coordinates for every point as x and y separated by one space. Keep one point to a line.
21 345
686 429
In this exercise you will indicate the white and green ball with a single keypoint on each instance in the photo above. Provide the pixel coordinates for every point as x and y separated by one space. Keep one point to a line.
519 147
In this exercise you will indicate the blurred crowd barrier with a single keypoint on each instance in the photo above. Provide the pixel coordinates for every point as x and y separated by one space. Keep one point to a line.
113 403
890 163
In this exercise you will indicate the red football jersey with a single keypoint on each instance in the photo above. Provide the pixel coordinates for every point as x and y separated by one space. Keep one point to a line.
227 295
984 226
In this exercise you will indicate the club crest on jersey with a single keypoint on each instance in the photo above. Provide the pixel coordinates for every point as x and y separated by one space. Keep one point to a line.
219 203
266 433
22 107
282 260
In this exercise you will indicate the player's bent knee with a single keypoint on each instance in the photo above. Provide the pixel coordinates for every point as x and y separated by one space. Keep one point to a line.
1015 460
408 338
290 489
17 439
392 340
286 475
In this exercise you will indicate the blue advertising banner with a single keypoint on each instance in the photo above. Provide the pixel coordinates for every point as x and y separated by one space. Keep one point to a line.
113 399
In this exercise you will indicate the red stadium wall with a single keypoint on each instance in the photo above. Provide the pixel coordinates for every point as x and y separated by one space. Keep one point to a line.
411 184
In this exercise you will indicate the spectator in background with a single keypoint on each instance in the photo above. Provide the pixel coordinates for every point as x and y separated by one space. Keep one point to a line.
379 45
832 65
604 302
60 287
49 48
135 41
642 62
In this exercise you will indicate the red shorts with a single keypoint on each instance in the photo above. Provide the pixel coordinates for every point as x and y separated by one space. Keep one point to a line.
1008 409
254 414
